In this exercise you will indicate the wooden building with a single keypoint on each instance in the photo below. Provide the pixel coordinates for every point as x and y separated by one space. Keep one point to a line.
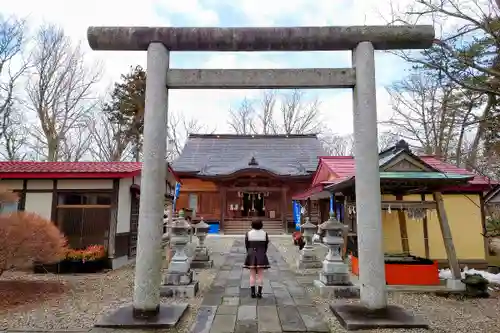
231 179
411 187
92 203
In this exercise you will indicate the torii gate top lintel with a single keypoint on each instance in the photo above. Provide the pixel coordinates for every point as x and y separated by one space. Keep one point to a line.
328 38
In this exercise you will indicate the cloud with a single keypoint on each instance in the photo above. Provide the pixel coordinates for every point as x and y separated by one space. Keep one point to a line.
193 11
76 16
211 106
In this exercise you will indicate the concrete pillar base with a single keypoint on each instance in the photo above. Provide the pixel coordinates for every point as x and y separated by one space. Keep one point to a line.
455 285
359 317
168 316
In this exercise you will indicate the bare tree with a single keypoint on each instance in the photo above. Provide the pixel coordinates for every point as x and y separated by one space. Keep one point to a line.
15 135
338 145
387 139
179 129
242 120
110 141
266 117
466 53
434 113
298 115
76 145
343 145
465 49
12 67
59 91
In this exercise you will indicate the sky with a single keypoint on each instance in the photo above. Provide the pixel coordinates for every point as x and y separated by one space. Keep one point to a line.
208 106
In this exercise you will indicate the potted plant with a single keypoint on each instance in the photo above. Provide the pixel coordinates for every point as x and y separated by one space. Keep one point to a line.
493 233
298 239
88 260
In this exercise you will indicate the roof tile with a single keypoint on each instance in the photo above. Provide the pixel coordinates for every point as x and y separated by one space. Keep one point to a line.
69 167
224 154
343 166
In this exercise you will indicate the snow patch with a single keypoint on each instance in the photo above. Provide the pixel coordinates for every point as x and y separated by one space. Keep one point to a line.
445 274
316 238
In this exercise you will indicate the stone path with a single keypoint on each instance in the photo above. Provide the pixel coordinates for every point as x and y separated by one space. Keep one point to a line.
228 308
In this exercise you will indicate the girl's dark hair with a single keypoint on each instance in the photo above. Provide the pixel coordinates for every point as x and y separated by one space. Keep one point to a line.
257 224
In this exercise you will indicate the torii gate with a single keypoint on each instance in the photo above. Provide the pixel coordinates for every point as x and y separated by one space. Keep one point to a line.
160 41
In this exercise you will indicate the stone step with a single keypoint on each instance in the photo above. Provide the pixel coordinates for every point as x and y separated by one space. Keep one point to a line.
243 231
242 226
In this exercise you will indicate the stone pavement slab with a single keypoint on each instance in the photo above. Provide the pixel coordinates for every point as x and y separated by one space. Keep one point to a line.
285 306
312 319
227 309
246 326
290 319
268 319
247 312
204 319
223 324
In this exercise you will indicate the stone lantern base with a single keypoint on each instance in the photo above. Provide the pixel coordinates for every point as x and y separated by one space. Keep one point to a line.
179 284
201 259
337 274
334 281
337 291
308 259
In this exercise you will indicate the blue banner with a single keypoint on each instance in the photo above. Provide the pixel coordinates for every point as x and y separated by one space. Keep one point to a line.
176 195
296 214
340 208
331 203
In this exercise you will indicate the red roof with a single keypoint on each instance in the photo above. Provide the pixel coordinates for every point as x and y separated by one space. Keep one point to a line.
450 168
343 166
56 170
319 187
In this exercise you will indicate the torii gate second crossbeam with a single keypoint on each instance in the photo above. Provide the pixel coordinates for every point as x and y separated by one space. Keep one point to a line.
160 41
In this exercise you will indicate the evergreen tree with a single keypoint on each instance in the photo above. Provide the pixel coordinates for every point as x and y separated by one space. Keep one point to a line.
126 108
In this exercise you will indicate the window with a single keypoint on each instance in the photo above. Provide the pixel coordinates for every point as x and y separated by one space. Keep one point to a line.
84 217
8 207
77 199
193 203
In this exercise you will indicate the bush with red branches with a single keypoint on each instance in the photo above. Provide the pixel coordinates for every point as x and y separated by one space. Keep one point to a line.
26 238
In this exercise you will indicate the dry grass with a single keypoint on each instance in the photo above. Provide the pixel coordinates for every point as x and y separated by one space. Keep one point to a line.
444 314
23 294
87 297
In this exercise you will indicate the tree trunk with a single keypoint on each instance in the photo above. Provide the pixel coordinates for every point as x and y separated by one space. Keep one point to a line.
472 158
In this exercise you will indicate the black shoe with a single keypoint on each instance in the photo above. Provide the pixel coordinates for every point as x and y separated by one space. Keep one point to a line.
252 291
259 292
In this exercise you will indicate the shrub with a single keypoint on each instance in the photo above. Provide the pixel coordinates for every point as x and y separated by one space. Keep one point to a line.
26 238
90 253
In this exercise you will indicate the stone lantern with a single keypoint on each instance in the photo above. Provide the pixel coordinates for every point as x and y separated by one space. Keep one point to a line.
179 279
307 257
334 275
201 256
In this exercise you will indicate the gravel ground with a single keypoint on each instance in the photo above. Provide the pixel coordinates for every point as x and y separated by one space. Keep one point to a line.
444 314
91 295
